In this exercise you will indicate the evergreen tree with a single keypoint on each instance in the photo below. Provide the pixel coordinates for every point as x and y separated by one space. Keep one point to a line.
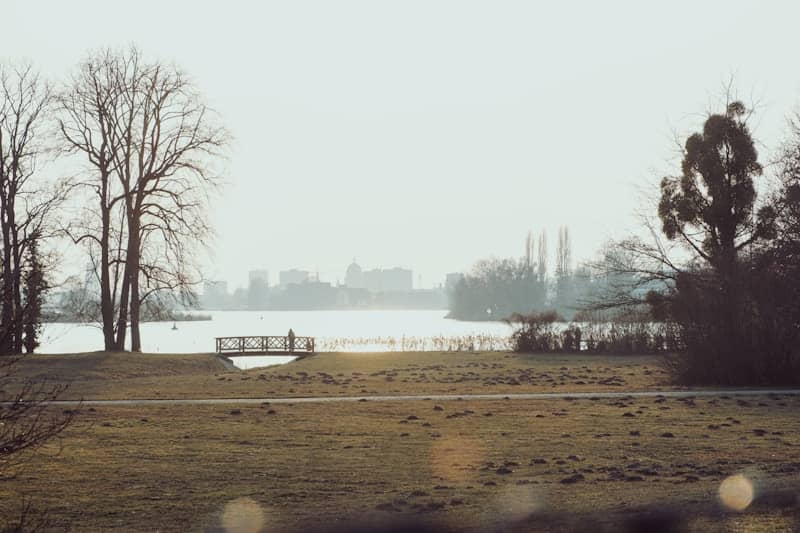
34 288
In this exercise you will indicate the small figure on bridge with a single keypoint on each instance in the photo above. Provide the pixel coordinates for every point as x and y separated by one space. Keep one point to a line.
291 340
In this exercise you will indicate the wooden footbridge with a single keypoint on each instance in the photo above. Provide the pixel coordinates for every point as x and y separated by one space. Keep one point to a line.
269 345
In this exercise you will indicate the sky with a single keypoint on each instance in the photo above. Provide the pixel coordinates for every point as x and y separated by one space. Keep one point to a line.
430 134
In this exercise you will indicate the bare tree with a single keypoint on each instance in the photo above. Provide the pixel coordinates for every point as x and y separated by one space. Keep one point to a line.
27 423
86 112
564 296
530 245
631 271
563 254
152 142
542 257
166 181
27 202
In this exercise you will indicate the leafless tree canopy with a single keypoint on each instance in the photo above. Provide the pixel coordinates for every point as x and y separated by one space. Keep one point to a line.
152 146
26 200
542 263
563 253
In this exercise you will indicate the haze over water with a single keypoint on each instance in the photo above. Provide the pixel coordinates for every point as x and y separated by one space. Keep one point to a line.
327 327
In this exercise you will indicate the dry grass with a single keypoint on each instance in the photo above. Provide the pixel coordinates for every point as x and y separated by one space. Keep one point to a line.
110 376
470 463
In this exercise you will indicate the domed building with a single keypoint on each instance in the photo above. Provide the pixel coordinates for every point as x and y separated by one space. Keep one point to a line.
354 278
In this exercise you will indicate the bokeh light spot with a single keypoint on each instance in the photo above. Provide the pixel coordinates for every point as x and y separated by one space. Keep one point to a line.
736 492
457 459
515 503
243 515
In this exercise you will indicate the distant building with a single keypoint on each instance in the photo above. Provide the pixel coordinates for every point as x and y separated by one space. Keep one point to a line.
354 278
378 280
306 295
239 298
388 280
215 294
292 277
259 276
257 289
348 298
452 279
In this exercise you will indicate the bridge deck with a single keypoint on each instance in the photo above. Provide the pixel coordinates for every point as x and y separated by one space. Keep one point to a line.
265 345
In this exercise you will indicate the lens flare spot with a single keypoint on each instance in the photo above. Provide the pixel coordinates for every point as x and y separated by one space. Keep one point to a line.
736 492
518 502
243 515
456 459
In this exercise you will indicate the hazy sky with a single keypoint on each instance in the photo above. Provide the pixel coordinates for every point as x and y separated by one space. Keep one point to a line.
429 134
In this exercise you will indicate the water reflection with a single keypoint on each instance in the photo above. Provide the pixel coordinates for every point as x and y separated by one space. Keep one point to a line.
258 361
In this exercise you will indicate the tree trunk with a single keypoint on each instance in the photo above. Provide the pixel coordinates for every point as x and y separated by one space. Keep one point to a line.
122 321
735 357
106 304
134 250
7 316
129 298
17 293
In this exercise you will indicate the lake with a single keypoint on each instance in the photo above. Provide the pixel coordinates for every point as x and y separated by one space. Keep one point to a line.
355 330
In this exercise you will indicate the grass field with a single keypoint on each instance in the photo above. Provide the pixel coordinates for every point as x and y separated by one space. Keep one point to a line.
521 465
111 376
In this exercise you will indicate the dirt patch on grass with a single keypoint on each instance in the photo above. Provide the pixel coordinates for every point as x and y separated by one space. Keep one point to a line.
120 376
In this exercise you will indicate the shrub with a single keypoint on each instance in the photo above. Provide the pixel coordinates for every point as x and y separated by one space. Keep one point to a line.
535 332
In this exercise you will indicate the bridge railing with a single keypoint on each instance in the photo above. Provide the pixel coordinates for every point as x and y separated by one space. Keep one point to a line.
265 345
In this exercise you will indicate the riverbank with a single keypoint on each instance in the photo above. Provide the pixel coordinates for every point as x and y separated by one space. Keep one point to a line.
543 465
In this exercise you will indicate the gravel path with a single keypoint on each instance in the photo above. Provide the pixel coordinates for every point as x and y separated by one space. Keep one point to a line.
445 397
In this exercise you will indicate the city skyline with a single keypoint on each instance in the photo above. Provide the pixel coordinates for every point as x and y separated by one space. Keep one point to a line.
352 138
296 275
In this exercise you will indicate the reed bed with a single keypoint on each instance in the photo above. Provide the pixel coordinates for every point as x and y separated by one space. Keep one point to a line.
439 343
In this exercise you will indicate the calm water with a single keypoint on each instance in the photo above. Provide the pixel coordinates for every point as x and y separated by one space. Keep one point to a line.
334 330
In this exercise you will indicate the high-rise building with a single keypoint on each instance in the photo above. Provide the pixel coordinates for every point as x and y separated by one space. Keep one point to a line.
292 277
259 276
452 279
258 289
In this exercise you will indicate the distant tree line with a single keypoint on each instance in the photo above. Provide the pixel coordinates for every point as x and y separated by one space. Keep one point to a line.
148 147
496 289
